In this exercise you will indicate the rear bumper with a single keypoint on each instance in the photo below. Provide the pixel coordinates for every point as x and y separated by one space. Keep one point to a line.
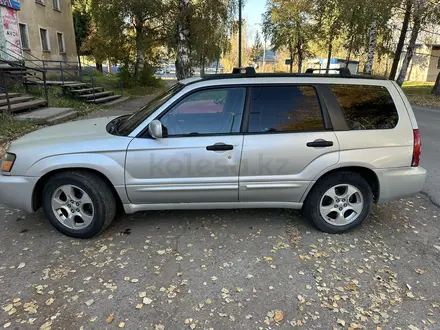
402 182
16 192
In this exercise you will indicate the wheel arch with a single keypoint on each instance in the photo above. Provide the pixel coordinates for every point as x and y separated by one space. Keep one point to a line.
38 189
368 174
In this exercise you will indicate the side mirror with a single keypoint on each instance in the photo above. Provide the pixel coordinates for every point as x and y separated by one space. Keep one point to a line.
155 129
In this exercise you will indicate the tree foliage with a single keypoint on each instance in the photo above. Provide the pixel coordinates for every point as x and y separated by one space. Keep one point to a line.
257 48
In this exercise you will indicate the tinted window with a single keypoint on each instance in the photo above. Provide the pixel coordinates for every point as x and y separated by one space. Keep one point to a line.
214 111
366 107
285 109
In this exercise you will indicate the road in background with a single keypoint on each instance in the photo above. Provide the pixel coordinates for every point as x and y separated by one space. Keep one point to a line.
429 125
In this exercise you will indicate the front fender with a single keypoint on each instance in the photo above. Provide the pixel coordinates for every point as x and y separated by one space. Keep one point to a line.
109 164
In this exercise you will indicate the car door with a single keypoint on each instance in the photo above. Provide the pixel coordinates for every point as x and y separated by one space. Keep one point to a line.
288 142
198 159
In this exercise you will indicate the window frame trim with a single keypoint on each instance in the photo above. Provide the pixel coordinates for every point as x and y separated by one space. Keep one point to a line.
58 9
64 42
145 134
49 50
326 119
27 36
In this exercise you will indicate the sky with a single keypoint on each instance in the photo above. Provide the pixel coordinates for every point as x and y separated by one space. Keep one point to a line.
252 12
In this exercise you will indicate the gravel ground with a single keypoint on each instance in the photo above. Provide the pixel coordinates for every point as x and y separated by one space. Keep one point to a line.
240 269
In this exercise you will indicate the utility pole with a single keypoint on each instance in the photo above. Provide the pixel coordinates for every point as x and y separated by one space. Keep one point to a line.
239 33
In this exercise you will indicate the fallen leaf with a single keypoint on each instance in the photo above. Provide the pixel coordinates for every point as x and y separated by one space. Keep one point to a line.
142 294
122 324
437 247
89 302
411 327
341 322
208 301
161 252
147 301
410 294
49 301
110 318
139 306
279 316
214 278
7 325
21 265
419 271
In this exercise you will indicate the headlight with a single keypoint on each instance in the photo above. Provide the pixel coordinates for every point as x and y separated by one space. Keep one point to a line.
7 162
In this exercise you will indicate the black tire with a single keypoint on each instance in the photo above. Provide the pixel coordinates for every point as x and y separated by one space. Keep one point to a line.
100 193
311 208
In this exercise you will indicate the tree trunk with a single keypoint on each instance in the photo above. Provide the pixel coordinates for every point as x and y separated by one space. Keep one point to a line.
401 41
436 89
330 49
139 64
371 48
410 50
183 61
350 49
291 56
99 66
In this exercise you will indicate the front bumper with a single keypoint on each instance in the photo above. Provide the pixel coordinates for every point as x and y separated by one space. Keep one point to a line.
402 182
17 191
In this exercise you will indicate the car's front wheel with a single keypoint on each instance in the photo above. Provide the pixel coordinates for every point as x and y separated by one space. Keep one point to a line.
78 204
339 202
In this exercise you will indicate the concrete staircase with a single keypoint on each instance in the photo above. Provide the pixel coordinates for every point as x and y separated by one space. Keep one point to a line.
19 103
89 94
27 108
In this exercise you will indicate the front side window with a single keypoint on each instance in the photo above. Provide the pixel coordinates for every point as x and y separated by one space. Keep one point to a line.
366 107
213 111
278 109
56 4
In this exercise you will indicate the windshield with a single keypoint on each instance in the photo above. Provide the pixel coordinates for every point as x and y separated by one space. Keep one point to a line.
130 123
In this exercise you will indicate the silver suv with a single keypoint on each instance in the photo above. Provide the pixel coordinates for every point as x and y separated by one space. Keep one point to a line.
330 145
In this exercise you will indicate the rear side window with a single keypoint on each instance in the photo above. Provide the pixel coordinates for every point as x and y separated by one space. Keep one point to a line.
366 107
285 109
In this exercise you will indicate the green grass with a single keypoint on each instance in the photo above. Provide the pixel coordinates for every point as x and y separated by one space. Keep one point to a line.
419 93
10 130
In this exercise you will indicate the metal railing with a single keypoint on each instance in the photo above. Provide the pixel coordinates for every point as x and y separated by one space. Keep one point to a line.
7 73
64 67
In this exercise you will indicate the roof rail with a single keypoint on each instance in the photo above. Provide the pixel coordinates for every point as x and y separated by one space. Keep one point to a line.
248 71
343 72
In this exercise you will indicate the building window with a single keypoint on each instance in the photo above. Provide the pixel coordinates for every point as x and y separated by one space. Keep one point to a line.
24 36
56 4
41 2
61 45
438 63
44 40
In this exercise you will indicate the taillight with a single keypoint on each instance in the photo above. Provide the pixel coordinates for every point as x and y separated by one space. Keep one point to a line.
417 148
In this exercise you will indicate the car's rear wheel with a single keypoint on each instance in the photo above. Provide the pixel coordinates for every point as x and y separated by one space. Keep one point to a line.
79 204
339 202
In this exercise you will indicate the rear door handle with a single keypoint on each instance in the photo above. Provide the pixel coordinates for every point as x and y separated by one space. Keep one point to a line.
220 147
320 144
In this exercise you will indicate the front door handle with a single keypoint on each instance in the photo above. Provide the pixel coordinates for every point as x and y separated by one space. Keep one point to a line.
220 147
320 144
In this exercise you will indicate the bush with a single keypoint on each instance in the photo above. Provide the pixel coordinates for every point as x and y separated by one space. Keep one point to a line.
145 77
